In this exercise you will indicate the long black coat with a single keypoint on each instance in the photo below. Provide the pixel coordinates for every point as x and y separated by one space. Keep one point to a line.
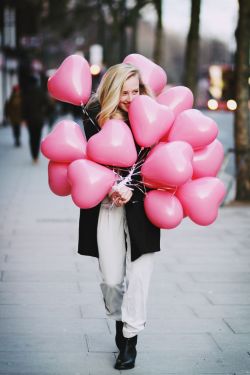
144 236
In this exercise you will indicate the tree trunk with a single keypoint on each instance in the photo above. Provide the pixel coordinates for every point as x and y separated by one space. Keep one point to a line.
242 126
158 32
192 48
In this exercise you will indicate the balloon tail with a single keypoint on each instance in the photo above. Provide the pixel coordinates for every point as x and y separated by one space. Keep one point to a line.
85 113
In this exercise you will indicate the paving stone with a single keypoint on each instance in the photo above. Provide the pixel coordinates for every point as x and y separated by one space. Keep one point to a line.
194 363
44 275
29 266
213 287
69 343
231 277
40 311
41 287
222 311
49 298
211 259
49 362
230 341
187 342
191 325
232 268
177 298
230 299
239 325
52 326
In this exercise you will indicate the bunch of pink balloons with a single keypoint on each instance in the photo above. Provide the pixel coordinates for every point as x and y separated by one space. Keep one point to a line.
181 167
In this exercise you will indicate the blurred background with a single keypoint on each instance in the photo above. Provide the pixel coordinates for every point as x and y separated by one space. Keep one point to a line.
202 44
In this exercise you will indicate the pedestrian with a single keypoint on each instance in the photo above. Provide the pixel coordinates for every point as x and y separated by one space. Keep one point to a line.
34 111
13 112
117 231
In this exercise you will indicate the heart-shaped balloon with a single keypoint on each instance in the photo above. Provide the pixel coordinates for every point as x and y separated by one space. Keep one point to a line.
90 182
163 209
65 143
201 199
58 179
152 74
193 127
208 160
72 81
177 98
149 120
169 164
113 145
157 185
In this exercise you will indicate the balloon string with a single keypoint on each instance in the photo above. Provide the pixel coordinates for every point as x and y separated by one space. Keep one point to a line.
85 112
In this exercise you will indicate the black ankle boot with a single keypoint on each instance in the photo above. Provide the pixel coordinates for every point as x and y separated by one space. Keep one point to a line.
127 355
119 339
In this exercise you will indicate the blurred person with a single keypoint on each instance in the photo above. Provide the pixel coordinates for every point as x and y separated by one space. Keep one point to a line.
51 111
13 113
34 111
117 231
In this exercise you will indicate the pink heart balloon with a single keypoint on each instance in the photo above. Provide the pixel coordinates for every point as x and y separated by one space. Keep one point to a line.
201 199
163 209
177 98
58 180
90 182
65 143
193 127
157 185
149 120
113 145
72 81
169 164
208 160
152 74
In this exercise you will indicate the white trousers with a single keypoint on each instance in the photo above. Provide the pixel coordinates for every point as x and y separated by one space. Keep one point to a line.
124 284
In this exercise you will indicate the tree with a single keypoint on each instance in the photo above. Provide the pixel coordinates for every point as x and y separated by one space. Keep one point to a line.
158 32
242 126
192 48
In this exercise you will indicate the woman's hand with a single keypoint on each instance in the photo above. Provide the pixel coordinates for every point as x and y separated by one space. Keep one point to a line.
121 196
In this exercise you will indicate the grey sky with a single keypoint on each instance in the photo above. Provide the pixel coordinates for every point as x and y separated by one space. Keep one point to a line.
218 18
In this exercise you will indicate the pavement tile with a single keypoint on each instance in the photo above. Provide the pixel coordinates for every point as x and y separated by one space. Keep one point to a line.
231 277
230 299
190 325
222 311
39 311
52 325
44 363
230 341
69 343
195 363
45 276
42 287
239 325
213 287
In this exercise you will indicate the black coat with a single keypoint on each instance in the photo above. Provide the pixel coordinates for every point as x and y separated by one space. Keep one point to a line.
144 236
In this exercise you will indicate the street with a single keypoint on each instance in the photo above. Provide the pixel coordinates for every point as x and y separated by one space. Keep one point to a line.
52 319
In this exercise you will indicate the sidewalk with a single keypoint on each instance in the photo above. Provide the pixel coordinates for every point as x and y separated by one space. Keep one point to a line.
52 319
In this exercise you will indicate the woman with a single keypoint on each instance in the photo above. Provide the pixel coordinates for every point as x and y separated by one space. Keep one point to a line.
120 235
13 110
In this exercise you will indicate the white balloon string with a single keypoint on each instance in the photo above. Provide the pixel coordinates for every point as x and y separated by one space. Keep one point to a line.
85 112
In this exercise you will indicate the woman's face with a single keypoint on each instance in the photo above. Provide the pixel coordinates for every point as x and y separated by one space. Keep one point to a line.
129 91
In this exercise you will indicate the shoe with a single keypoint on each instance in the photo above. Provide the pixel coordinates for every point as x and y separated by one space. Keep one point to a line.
119 338
127 355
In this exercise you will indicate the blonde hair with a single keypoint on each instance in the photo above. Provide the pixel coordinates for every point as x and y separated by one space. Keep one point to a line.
109 91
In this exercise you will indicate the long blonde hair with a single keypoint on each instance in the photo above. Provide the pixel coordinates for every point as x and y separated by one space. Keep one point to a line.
109 91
